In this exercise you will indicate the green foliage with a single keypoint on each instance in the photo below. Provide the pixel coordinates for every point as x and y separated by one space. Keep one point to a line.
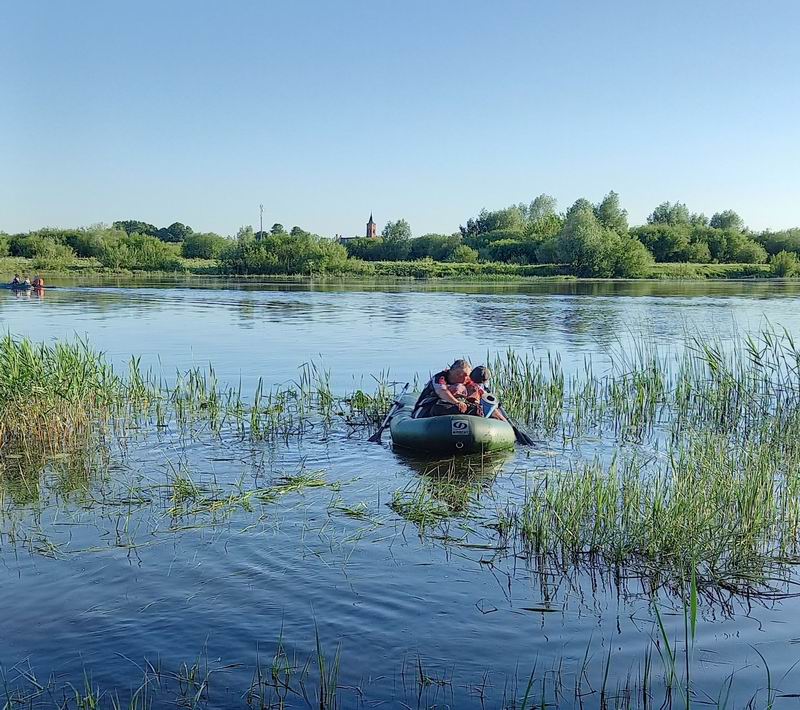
632 260
512 251
584 244
203 246
542 208
284 254
134 226
4 244
176 232
464 255
397 230
785 263
786 240
669 213
365 248
611 215
597 250
686 242
740 249
727 219
52 256
139 252
439 247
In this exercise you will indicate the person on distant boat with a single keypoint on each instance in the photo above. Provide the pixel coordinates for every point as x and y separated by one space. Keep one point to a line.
15 281
446 393
27 281
38 281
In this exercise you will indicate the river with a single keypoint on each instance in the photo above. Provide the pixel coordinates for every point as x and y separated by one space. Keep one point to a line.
91 584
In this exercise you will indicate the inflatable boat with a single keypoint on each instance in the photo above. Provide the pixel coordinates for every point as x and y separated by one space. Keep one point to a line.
451 434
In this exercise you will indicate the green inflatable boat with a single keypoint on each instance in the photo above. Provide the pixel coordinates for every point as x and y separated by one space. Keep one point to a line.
453 434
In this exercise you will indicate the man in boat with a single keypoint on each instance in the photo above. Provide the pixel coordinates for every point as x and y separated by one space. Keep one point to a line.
446 393
15 281
38 281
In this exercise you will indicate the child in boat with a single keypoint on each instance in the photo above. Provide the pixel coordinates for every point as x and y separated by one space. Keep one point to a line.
27 281
477 385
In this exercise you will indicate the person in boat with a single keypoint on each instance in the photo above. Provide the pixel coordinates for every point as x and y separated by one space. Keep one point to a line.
477 386
15 281
27 281
38 281
446 393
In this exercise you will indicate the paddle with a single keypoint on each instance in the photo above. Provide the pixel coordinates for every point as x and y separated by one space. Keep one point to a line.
376 437
521 437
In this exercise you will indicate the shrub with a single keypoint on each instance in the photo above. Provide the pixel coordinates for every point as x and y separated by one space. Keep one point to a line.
743 250
632 259
203 246
51 256
302 254
139 252
464 255
3 244
784 263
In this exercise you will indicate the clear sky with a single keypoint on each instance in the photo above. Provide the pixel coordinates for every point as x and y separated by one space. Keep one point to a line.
197 111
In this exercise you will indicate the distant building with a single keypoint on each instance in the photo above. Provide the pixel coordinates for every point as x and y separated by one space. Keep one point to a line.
372 228
372 232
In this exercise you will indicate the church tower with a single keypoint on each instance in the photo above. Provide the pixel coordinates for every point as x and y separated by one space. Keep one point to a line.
372 228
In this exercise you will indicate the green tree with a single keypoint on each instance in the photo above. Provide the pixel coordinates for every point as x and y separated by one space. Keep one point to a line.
785 263
134 226
775 242
611 215
203 246
580 205
727 219
176 232
584 244
277 228
397 230
542 207
669 213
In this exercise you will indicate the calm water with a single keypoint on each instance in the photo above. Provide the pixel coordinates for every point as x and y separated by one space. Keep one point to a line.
92 578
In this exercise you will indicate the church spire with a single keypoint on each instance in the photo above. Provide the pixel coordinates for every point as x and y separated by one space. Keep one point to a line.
372 228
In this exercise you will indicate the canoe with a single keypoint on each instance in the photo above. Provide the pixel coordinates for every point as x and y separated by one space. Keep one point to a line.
452 434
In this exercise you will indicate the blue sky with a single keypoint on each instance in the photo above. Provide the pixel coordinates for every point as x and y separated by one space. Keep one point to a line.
198 111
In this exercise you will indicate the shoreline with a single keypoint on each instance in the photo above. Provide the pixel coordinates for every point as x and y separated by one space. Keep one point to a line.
421 272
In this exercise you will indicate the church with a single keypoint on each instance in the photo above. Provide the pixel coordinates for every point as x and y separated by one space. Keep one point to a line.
372 232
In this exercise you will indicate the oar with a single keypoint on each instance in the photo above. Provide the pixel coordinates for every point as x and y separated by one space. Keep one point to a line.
521 437
376 437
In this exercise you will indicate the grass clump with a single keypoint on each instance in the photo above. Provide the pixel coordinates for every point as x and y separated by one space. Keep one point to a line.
51 398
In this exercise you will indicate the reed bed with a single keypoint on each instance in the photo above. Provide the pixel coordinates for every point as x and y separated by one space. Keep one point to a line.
692 461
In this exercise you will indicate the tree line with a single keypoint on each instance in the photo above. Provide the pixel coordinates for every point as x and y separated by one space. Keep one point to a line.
589 239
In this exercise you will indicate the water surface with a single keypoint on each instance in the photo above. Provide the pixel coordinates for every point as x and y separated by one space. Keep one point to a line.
92 579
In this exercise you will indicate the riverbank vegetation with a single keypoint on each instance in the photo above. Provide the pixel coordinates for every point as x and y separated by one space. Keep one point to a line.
587 240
